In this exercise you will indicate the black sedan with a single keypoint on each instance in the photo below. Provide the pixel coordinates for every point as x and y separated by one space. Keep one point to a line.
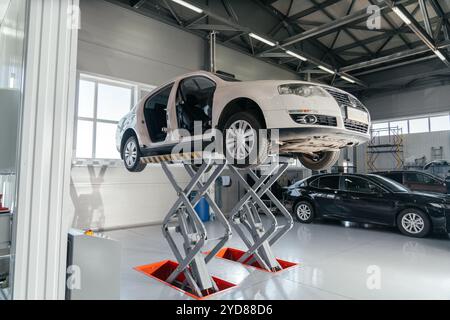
368 199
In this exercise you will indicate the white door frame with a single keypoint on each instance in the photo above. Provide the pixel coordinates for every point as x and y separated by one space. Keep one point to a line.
41 226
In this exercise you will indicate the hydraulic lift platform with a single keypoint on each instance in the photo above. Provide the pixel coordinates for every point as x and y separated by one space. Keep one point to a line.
190 273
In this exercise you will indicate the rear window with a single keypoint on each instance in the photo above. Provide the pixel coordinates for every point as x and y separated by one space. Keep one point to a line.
394 176
331 183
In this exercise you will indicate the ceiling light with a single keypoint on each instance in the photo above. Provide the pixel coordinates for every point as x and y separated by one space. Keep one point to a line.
296 55
401 15
326 69
348 79
440 55
188 5
255 36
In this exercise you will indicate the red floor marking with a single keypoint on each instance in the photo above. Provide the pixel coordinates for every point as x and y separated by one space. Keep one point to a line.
233 254
162 270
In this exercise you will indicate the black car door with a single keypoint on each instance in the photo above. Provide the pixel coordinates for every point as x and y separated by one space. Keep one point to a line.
365 201
326 194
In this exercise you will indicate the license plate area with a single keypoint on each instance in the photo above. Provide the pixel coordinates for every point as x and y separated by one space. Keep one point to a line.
357 115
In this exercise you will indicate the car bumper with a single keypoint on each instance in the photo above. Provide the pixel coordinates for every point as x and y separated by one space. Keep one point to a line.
440 219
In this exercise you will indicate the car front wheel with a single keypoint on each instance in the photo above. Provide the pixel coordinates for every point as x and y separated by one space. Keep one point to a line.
304 212
131 155
319 161
245 142
413 223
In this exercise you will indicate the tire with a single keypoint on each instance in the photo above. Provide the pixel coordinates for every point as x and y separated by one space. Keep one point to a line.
241 157
324 160
420 229
304 212
131 155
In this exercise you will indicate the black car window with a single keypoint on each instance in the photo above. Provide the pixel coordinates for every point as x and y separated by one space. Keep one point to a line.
356 184
411 177
329 183
314 183
389 184
396 176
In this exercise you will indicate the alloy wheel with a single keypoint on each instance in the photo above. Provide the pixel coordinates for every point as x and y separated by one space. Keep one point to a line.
303 212
240 139
413 223
130 153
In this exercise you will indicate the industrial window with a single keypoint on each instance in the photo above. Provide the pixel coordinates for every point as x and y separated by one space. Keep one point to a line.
101 104
419 125
380 129
399 127
441 123
413 125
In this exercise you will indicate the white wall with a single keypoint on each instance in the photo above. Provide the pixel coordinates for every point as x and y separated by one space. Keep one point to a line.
108 197
119 43
415 146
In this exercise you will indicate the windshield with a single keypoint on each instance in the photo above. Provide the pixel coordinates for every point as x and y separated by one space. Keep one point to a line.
227 78
390 184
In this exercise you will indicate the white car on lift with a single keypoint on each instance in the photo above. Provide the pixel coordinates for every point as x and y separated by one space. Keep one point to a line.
314 121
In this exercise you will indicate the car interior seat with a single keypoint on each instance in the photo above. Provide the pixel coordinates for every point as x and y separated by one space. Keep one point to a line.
191 111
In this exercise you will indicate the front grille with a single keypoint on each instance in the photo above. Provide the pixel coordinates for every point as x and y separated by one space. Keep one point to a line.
321 119
345 100
356 126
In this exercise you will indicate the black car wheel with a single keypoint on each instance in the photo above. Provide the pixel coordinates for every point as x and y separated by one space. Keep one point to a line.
244 145
320 161
413 223
131 155
304 212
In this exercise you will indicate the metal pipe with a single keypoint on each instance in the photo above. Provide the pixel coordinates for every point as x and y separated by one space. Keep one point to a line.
212 51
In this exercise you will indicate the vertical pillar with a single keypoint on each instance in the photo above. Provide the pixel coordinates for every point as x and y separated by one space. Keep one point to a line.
41 227
212 51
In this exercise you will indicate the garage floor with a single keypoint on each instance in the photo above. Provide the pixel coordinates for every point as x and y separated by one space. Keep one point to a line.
335 262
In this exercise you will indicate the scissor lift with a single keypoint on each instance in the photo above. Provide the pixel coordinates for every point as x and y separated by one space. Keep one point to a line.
246 216
191 274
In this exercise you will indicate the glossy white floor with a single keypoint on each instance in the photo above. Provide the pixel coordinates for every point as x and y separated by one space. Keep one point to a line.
336 262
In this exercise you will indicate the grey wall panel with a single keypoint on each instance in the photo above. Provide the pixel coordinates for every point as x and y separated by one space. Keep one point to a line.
9 123
120 43
248 68
409 103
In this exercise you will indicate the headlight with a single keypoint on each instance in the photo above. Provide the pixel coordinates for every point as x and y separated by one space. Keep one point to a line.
302 90
440 205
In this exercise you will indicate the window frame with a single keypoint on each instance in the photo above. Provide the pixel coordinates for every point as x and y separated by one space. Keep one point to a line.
344 187
409 119
135 89
318 182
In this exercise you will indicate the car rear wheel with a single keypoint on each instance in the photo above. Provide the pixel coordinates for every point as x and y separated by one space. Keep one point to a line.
244 143
413 223
304 212
319 161
131 155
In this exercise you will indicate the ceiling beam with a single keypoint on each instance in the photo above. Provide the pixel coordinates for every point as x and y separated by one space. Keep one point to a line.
392 57
287 20
334 26
313 9
417 28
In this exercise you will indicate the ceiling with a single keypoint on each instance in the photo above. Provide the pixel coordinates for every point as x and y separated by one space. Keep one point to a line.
344 36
